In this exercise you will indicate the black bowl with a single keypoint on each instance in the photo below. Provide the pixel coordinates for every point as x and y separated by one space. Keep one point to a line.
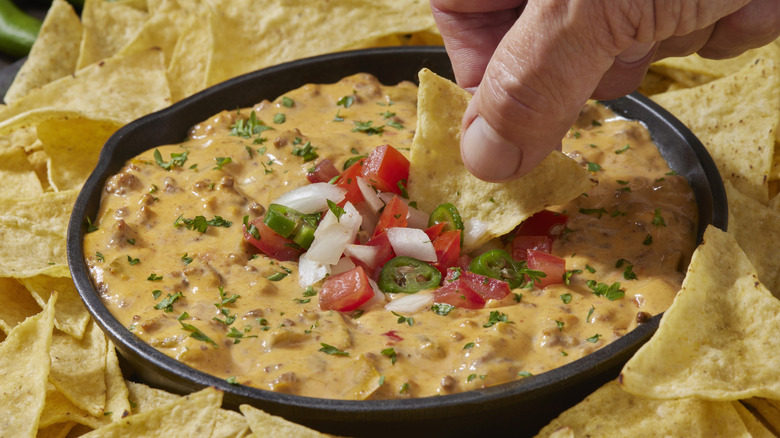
520 407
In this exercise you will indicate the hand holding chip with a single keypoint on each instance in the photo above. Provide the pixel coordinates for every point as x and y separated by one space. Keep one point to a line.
541 60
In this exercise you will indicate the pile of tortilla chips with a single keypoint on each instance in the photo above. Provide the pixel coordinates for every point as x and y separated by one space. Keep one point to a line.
87 75
712 368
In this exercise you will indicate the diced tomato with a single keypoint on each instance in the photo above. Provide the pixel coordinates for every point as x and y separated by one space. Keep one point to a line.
433 231
385 253
385 167
458 294
551 265
521 245
393 215
487 288
272 244
464 261
324 171
346 291
348 181
447 247
544 223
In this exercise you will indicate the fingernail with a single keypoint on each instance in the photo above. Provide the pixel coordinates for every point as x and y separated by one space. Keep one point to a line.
486 154
635 53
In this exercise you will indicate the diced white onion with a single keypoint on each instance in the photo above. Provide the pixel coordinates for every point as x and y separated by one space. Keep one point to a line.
474 233
310 272
333 235
411 303
378 299
362 253
417 218
344 265
372 199
386 196
411 242
312 198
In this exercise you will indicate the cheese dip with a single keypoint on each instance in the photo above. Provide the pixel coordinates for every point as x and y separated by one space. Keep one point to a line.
171 262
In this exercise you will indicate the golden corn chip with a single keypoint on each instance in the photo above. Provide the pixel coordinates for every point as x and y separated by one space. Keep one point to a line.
143 398
118 89
70 316
437 173
117 395
33 234
73 145
263 424
718 339
54 53
59 430
17 176
767 410
17 305
753 424
108 27
24 365
612 412
252 35
59 409
76 361
736 118
191 57
757 230
189 416
709 69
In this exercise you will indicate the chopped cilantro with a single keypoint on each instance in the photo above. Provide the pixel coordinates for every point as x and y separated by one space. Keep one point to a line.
468 346
200 224
560 324
329 349
368 128
524 374
623 149
346 101
336 209
166 304
221 161
648 240
593 167
390 352
442 309
593 339
402 319
99 257
496 317
154 277
186 259
566 298
177 159
610 291
133 261
307 152
658 220
287 102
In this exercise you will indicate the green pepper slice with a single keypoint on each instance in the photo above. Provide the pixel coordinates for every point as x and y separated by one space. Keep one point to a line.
408 275
498 264
290 223
446 213
352 160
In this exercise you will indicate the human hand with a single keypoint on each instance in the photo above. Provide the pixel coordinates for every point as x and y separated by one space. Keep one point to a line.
532 64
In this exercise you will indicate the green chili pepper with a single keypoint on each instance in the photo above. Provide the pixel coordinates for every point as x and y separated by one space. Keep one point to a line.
18 30
408 275
352 160
498 264
291 223
446 213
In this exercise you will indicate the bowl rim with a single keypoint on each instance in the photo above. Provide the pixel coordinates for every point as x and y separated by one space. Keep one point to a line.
318 410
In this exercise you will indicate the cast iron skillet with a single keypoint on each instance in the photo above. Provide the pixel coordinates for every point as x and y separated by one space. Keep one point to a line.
520 407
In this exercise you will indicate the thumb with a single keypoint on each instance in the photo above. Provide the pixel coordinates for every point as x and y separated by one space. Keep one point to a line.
541 74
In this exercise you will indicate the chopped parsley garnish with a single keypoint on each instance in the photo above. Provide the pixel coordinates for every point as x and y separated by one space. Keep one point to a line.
368 128
404 388
221 161
131 241
517 297
177 159
524 374
156 293
442 309
387 114
560 324
593 167
390 352
133 261
307 152
99 257
648 240
597 211
287 102
394 124
658 220
166 304
568 274
91 228
232 380
611 292
566 298
200 224
249 127
346 101
468 346
496 317
154 277
590 269
402 319
593 339
186 259
335 209
195 332
302 300
590 313
623 149
628 272
338 117
251 228
309 292
277 276
329 349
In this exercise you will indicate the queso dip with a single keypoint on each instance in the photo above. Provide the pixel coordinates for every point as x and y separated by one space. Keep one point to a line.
172 264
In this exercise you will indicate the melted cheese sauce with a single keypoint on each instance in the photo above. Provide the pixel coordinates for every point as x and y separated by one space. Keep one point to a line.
206 298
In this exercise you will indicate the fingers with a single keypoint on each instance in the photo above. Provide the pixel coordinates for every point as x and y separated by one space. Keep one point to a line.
753 25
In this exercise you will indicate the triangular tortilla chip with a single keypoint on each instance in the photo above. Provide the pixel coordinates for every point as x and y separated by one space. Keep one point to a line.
17 176
108 27
437 173
17 304
735 117
24 365
54 53
264 424
612 412
719 338
71 316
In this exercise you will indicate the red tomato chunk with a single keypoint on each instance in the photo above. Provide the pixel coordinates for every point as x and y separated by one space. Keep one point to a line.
554 267
271 243
346 291
385 168
544 223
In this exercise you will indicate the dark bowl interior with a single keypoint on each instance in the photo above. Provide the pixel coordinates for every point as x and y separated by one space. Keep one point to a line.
520 407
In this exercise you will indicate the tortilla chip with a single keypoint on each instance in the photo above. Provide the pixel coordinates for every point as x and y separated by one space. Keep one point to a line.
500 207
17 176
612 412
229 424
718 339
108 27
757 230
753 424
17 304
24 365
59 430
70 316
253 34
33 234
709 69
54 53
77 361
767 410
117 395
59 409
73 146
143 398
189 416
189 63
117 89
263 424
736 118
